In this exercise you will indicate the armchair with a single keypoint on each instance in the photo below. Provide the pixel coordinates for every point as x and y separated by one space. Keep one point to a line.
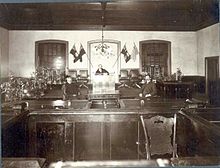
83 78
73 75
124 78
135 77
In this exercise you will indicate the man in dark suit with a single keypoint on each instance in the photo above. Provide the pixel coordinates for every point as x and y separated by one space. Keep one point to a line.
101 71
149 88
70 90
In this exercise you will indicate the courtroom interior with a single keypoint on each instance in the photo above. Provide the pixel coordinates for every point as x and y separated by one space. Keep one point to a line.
132 83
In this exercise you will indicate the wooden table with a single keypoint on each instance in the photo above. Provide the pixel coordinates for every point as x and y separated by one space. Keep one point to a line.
174 89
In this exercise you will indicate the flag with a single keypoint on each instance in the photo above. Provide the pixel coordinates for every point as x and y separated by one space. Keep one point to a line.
127 56
134 52
81 53
124 50
73 51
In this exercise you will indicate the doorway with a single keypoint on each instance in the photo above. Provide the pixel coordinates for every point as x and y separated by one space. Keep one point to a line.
212 79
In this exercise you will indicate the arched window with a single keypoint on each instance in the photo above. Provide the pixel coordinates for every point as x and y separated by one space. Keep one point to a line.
51 54
156 57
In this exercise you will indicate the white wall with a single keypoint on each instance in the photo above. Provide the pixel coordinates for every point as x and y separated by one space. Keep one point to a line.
22 47
4 57
208 45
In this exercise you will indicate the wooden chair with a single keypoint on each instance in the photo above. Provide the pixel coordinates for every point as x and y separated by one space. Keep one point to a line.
83 78
124 78
135 78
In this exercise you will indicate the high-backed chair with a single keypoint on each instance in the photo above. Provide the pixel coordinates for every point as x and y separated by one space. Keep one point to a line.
124 78
73 75
158 131
135 78
83 78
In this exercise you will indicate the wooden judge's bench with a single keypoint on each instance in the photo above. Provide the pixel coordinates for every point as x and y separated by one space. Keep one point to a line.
103 91
103 83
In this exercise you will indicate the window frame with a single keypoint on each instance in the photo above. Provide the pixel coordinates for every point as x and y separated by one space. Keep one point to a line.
157 41
51 41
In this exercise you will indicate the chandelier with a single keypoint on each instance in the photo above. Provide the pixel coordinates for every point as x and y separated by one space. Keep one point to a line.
103 48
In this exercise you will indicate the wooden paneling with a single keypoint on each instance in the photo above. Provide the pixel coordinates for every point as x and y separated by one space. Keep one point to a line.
86 137
124 136
119 15
49 139
212 79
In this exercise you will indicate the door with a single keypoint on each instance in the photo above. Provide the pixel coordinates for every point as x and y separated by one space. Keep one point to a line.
212 78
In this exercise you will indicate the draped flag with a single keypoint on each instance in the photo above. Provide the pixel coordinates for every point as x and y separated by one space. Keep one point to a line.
81 53
73 51
127 56
134 52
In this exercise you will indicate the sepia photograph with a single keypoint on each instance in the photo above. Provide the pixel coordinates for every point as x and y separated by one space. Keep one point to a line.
109 83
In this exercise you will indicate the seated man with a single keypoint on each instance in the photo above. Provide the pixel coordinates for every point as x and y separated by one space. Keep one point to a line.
149 88
70 90
101 71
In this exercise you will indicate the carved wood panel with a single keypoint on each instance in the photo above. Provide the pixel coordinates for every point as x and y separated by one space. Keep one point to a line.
50 140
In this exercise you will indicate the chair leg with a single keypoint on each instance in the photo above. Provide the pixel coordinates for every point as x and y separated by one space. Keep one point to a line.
120 86
124 85
83 85
137 85
127 85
